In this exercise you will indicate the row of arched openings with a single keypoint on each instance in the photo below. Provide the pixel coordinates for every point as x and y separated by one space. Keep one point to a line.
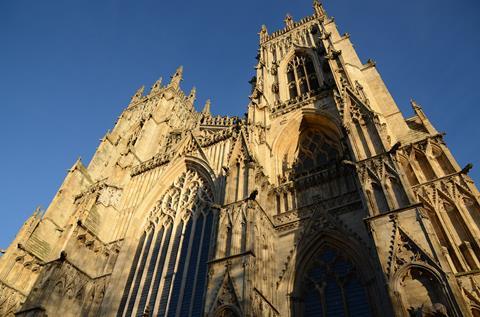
169 269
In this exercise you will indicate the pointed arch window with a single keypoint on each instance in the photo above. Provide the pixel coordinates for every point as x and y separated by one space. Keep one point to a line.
168 273
317 149
332 287
301 76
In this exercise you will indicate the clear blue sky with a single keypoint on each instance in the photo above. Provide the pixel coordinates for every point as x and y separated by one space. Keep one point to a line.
68 68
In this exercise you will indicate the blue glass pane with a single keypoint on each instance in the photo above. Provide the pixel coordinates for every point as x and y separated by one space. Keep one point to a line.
328 256
202 268
138 278
128 286
342 268
357 299
325 271
178 276
160 264
316 274
169 274
333 299
148 278
192 267
312 304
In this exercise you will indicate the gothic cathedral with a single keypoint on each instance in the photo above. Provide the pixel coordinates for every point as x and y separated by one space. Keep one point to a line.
322 201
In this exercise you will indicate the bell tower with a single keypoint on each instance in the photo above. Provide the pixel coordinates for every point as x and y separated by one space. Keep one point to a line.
345 168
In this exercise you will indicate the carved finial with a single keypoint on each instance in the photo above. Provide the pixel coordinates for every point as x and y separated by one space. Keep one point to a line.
415 105
288 21
156 87
417 109
206 108
177 77
263 33
318 8
192 95
138 94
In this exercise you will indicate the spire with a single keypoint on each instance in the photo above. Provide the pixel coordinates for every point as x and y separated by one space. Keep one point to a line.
417 109
177 78
156 87
192 95
138 94
318 8
263 33
288 21
206 108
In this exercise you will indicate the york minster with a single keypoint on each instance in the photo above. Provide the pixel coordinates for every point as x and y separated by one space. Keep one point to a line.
323 200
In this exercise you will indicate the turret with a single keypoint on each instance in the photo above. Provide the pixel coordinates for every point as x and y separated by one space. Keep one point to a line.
177 78
206 108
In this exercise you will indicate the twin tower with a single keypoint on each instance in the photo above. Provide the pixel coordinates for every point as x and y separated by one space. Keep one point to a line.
322 201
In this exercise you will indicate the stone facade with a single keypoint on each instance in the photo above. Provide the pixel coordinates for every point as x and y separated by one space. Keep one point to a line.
322 201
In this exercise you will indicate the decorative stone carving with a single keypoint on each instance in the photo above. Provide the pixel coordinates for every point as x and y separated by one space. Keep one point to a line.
10 300
315 153
187 194
110 196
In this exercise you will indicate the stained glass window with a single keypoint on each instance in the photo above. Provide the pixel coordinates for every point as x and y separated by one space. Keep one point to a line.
301 76
315 150
331 288
173 254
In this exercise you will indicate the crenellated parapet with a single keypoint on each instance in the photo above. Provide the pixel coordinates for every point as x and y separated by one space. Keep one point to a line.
209 121
295 29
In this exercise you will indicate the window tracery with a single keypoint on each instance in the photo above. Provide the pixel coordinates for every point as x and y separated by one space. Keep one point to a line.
331 287
315 150
301 76
172 253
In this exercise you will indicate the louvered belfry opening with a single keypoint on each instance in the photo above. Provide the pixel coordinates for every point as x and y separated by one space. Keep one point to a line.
168 273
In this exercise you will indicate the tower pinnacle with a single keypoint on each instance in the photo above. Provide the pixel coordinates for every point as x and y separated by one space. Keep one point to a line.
288 21
177 78
138 94
206 108
417 109
318 8
263 33
192 95
156 86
